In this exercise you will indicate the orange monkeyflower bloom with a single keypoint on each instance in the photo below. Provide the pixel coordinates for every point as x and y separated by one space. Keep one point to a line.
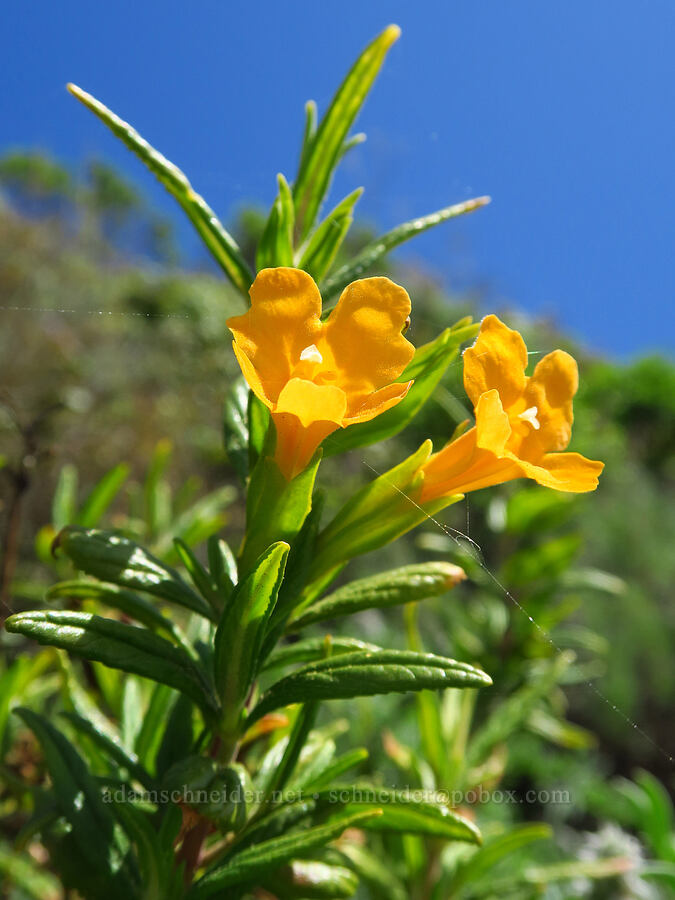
314 376
522 423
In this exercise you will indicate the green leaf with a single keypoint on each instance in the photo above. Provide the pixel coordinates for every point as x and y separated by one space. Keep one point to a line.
80 802
102 496
155 716
557 731
337 767
221 244
304 722
161 878
426 368
405 585
21 871
309 131
325 147
312 880
513 712
258 428
15 682
235 427
132 605
222 564
298 565
276 508
111 748
494 850
401 813
64 504
276 243
375 872
322 246
157 499
111 557
119 646
366 673
313 649
201 579
241 630
378 513
177 737
199 521
378 248
428 709
254 862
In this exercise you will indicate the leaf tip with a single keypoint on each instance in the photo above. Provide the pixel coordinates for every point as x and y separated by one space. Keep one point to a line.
391 34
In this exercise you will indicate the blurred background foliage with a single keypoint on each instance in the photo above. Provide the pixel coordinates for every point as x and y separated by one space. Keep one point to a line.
112 353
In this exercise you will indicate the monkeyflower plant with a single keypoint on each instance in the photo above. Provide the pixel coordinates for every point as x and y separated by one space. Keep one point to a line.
235 791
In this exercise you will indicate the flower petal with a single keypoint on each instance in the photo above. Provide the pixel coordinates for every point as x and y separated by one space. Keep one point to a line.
569 472
497 361
305 414
379 402
462 466
551 388
493 428
311 402
362 341
283 320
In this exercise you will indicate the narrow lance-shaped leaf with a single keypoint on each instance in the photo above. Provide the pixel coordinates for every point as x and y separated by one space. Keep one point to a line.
112 557
297 739
309 132
80 802
275 508
325 147
235 427
313 649
252 863
102 495
132 605
241 630
429 717
119 646
221 244
313 880
336 768
365 674
64 503
403 813
382 245
222 564
156 491
324 243
201 579
378 513
112 749
276 243
494 850
405 585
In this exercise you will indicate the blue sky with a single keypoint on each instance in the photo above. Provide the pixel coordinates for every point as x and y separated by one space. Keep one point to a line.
562 111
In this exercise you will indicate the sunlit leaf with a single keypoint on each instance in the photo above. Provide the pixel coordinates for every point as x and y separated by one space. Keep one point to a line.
221 244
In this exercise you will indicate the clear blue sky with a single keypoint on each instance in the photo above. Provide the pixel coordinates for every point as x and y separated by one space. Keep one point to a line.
562 110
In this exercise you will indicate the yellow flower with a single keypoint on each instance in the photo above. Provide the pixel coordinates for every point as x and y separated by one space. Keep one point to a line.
314 376
522 423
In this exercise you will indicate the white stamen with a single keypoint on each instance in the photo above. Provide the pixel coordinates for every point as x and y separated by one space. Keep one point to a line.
530 415
311 354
